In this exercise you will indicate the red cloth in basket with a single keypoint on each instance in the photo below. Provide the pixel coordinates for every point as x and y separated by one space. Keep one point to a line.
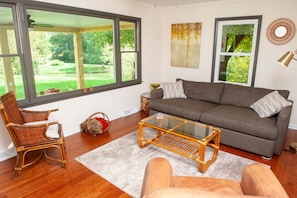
104 123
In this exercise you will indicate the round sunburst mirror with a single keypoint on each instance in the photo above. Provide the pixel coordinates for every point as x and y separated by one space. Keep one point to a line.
281 31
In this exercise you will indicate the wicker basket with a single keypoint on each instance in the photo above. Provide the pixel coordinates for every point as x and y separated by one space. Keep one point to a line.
96 124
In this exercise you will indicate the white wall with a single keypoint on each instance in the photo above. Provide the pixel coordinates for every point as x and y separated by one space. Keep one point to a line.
269 73
156 33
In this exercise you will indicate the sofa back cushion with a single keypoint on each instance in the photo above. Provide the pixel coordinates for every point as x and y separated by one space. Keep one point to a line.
245 96
205 91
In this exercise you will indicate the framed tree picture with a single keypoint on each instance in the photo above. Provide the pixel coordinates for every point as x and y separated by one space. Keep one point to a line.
185 45
235 50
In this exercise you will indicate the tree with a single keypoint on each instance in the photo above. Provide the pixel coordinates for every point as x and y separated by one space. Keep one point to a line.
239 38
40 48
62 47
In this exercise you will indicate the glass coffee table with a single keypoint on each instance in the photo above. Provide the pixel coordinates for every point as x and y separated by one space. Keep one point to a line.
181 136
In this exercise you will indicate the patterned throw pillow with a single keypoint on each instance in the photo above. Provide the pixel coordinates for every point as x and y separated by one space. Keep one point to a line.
173 90
270 104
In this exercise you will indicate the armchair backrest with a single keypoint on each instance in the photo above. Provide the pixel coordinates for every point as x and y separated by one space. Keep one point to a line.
9 109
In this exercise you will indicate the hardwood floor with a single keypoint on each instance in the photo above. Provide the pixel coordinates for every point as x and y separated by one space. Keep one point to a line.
48 179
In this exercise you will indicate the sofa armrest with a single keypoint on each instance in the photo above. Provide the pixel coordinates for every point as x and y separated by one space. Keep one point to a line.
158 175
157 93
282 123
258 180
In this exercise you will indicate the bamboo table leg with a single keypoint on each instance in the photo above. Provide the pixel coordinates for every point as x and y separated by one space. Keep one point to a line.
202 167
140 136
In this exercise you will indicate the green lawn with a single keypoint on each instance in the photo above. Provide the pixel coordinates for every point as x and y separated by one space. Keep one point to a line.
63 77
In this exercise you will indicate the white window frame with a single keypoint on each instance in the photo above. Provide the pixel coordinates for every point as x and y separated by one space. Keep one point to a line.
217 53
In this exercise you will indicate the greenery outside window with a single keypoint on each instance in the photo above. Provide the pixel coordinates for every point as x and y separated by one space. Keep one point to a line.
129 52
235 50
68 52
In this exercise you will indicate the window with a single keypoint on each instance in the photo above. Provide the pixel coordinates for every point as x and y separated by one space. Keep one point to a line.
11 74
129 51
235 50
67 52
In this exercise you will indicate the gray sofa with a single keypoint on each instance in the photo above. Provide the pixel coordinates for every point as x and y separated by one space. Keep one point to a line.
227 106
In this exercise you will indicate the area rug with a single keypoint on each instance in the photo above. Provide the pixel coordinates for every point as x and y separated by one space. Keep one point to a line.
122 162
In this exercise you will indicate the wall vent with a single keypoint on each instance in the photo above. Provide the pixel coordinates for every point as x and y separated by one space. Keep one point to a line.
129 111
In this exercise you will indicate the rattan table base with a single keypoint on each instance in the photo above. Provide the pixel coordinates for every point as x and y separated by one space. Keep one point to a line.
183 145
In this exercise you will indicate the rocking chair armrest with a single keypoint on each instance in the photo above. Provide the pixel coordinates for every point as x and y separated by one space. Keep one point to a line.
32 116
26 135
35 111
32 124
51 133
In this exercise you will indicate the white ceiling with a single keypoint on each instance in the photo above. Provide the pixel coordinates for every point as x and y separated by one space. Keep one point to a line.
42 17
171 3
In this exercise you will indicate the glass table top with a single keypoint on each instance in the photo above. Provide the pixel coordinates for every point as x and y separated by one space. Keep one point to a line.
178 125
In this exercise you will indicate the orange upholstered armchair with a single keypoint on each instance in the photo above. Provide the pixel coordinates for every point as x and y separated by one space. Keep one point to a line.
257 181
31 131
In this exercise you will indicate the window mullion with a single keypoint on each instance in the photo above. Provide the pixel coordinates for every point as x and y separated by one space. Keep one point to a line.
28 72
118 61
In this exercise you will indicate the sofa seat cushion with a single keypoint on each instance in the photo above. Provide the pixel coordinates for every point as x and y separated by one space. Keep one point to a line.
186 108
241 119
208 184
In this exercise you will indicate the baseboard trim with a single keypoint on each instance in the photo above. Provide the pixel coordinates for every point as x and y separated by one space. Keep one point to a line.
293 126
10 153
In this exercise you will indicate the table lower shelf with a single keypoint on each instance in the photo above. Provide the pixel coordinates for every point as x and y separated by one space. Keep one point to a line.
177 145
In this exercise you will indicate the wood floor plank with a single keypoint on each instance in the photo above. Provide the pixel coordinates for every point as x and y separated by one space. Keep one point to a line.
48 179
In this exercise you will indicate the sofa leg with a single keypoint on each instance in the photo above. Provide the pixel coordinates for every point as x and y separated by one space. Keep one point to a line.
266 158
294 146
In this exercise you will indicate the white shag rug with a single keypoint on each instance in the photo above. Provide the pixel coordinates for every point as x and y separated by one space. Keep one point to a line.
122 162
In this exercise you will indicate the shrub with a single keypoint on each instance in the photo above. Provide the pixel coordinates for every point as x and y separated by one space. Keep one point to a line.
56 62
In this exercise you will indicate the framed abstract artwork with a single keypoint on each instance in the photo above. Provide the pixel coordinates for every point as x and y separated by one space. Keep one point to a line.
185 45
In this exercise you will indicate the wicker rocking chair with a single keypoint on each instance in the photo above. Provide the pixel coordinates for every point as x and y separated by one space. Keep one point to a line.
31 131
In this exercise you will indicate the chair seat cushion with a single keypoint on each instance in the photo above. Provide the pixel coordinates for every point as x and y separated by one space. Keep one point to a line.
52 130
188 192
208 184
